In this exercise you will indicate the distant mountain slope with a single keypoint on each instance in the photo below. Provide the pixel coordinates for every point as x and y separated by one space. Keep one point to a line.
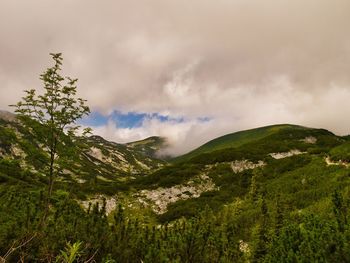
214 174
99 162
7 116
234 140
225 168
149 146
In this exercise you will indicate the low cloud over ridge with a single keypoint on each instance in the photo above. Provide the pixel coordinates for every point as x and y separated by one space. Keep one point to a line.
240 63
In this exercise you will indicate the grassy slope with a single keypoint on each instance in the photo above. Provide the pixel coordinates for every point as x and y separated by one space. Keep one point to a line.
280 138
342 152
234 140
297 178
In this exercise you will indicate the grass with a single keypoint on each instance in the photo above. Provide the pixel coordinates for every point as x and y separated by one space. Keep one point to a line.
237 139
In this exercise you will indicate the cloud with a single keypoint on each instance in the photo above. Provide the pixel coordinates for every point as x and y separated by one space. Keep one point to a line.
241 63
179 134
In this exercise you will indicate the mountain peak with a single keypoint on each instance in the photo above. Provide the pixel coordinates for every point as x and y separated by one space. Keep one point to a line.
149 146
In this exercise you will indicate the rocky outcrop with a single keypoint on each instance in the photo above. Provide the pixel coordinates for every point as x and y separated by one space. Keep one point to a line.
97 153
340 162
111 203
244 246
240 166
160 198
282 155
309 139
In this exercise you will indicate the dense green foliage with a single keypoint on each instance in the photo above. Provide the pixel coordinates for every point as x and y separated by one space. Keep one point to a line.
274 234
166 177
238 139
341 152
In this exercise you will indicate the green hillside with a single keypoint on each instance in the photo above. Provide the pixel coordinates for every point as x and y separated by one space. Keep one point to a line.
341 153
281 150
273 194
95 165
234 140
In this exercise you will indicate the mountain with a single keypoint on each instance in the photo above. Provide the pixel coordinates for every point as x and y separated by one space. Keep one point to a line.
234 140
149 146
99 162
104 167
7 116
273 194
224 167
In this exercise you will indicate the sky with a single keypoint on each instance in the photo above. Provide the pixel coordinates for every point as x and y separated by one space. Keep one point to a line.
186 70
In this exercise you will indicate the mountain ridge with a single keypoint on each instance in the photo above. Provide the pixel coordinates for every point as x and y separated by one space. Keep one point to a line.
236 139
98 160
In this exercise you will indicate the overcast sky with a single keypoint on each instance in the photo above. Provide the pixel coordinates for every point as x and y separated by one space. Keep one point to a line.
190 70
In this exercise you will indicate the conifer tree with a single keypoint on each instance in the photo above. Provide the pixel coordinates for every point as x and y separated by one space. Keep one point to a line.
339 210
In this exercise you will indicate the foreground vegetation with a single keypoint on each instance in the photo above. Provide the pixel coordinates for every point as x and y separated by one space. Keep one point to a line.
255 228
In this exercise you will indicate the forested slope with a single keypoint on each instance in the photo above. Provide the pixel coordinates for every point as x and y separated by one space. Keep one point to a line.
276 194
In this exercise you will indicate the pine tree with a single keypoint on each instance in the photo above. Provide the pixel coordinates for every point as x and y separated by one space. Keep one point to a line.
339 210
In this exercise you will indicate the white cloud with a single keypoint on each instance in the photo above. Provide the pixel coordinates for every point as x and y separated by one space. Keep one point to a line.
243 63
179 134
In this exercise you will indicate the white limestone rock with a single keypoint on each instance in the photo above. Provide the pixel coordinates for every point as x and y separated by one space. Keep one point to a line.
240 166
309 139
160 198
282 155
